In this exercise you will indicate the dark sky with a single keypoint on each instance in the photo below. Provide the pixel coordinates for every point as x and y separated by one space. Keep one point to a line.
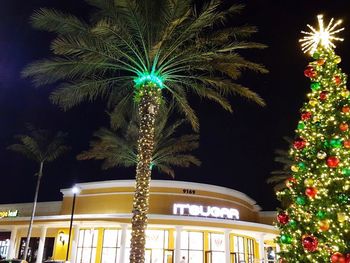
236 150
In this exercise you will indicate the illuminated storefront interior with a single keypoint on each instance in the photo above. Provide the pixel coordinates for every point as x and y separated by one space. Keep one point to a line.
198 222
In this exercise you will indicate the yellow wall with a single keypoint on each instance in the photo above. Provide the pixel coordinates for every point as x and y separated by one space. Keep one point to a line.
110 203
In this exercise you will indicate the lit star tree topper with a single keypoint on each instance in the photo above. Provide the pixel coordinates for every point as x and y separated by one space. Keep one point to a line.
315 224
324 36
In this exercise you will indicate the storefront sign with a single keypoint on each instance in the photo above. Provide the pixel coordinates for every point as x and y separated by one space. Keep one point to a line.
207 211
8 213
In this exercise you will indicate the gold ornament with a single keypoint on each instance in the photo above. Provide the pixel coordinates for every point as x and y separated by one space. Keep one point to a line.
337 59
341 217
313 103
309 182
324 225
345 93
294 168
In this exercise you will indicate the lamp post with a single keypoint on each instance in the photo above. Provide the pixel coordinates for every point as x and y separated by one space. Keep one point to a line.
75 191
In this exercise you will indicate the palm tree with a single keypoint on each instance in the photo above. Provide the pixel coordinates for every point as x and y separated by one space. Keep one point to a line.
42 147
118 146
278 177
142 51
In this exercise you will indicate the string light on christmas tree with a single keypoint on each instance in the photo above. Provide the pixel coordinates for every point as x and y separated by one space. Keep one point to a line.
323 36
314 225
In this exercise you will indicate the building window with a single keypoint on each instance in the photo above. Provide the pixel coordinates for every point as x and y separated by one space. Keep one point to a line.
238 248
111 246
192 246
156 244
4 248
87 244
251 249
217 247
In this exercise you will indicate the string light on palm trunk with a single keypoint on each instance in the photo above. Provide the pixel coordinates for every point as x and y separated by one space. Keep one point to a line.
148 97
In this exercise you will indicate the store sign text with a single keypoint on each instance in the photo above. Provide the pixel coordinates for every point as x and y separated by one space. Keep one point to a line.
207 211
8 213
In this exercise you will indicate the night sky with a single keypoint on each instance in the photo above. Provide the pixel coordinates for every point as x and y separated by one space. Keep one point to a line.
236 149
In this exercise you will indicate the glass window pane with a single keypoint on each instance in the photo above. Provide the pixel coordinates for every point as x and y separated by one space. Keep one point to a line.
86 255
93 256
157 256
87 238
81 238
195 257
217 242
110 238
218 257
79 252
184 240
196 240
154 238
108 255
94 237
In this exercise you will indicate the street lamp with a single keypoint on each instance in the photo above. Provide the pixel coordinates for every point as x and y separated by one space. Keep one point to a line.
75 191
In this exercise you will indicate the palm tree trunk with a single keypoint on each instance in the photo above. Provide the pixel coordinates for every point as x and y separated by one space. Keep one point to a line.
24 257
148 110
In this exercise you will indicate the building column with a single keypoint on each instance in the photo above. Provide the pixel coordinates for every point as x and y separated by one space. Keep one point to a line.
74 244
39 257
261 248
123 242
227 246
12 248
177 251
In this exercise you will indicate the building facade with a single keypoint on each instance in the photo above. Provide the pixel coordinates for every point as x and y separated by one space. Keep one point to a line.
197 223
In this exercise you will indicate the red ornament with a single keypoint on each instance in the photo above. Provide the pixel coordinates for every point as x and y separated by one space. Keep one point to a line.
338 257
345 109
307 115
283 218
347 258
337 80
346 144
310 243
343 127
290 182
299 144
310 72
311 192
323 95
332 162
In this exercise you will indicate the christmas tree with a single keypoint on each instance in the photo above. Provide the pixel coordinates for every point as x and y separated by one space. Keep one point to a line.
315 225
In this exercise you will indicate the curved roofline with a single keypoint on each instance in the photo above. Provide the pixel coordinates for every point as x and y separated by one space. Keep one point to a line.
167 184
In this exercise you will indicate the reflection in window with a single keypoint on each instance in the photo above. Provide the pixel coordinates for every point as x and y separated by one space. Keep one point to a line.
250 243
192 246
4 247
270 254
217 247
156 244
238 248
87 244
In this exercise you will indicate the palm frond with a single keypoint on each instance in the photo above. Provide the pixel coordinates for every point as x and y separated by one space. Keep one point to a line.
40 145
191 48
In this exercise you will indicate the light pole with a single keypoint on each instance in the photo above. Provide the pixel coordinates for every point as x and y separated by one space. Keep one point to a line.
75 191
